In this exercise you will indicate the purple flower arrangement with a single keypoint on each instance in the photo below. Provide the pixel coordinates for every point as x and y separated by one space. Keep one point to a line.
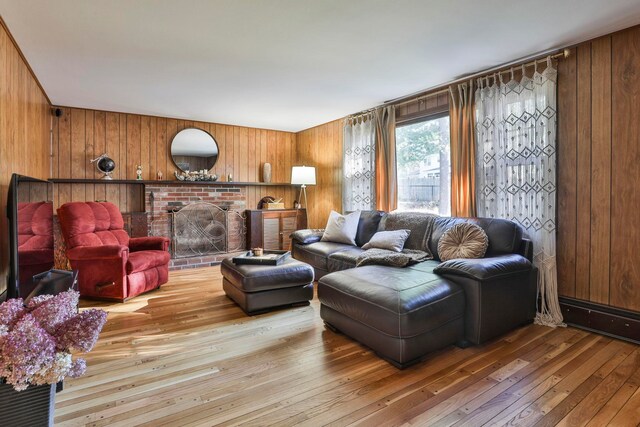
36 340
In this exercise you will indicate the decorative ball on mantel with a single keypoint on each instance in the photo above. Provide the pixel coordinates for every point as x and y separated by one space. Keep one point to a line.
105 164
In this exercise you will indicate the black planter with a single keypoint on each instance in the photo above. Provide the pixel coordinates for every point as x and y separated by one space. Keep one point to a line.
31 407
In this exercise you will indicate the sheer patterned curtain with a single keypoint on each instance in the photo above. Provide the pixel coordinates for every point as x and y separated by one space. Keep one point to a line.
359 163
516 168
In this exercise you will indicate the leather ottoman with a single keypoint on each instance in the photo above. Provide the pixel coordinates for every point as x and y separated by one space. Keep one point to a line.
400 313
258 288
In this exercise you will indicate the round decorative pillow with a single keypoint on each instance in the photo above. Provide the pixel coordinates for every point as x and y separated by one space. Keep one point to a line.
464 240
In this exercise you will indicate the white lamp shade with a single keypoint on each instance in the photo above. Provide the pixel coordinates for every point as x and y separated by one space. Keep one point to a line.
303 175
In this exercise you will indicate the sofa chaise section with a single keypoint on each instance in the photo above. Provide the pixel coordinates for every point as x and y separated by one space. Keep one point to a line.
402 314
498 292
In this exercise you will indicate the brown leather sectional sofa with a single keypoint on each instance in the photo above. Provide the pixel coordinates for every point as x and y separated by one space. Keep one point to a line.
405 313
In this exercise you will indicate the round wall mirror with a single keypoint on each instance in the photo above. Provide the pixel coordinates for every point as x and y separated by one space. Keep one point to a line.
194 150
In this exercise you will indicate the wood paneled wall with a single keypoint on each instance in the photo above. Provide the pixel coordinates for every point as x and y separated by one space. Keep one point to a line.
599 171
130 139
321 147
25 122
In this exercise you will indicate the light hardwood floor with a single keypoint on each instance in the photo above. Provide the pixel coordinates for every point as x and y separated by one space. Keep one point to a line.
186 355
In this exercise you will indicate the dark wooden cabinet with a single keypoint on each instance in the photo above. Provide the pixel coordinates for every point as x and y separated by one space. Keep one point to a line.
270 229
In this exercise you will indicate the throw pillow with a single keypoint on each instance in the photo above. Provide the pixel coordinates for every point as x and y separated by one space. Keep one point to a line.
464 240
341 228
419 223
391 240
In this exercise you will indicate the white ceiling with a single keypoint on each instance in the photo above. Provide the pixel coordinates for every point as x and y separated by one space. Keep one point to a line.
282 64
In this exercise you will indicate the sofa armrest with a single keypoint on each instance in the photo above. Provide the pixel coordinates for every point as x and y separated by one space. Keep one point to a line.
82 253
526 249
152 243
500 293
308 236
485 268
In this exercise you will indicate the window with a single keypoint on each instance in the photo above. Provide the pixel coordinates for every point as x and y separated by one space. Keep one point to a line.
424 171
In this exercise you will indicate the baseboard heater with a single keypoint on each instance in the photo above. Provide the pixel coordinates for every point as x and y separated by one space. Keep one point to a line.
602 319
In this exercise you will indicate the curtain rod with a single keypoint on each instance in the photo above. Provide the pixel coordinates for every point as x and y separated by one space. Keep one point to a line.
499 69
361 113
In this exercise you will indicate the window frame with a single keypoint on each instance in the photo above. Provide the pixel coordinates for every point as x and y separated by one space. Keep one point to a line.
422 117
414 120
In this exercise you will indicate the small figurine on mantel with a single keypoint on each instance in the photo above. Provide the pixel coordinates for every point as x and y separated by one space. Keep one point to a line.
159 175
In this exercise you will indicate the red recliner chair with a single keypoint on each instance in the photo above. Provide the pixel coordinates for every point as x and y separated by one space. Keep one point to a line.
110 264
35 241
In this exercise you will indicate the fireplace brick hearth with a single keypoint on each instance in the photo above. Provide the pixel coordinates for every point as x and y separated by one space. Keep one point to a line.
163 199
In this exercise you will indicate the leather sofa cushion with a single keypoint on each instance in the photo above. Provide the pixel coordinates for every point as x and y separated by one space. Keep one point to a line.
344 259
425 266
399 302
368 226
505 237
144 260
317 254
254 278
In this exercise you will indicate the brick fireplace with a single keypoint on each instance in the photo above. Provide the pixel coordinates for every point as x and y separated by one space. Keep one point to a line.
162 200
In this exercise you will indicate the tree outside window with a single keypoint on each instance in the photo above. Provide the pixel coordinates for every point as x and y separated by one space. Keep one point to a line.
424 171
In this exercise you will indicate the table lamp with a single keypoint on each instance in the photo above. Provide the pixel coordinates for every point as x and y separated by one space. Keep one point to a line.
303 176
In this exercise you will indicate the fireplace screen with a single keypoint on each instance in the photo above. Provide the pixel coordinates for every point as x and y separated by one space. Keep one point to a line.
204 229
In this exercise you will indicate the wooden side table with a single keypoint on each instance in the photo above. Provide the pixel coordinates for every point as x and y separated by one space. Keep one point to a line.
270 228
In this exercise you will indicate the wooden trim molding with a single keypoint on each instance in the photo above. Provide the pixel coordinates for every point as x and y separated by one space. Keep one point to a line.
423 116
26 63
600 318
170 182
420 109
